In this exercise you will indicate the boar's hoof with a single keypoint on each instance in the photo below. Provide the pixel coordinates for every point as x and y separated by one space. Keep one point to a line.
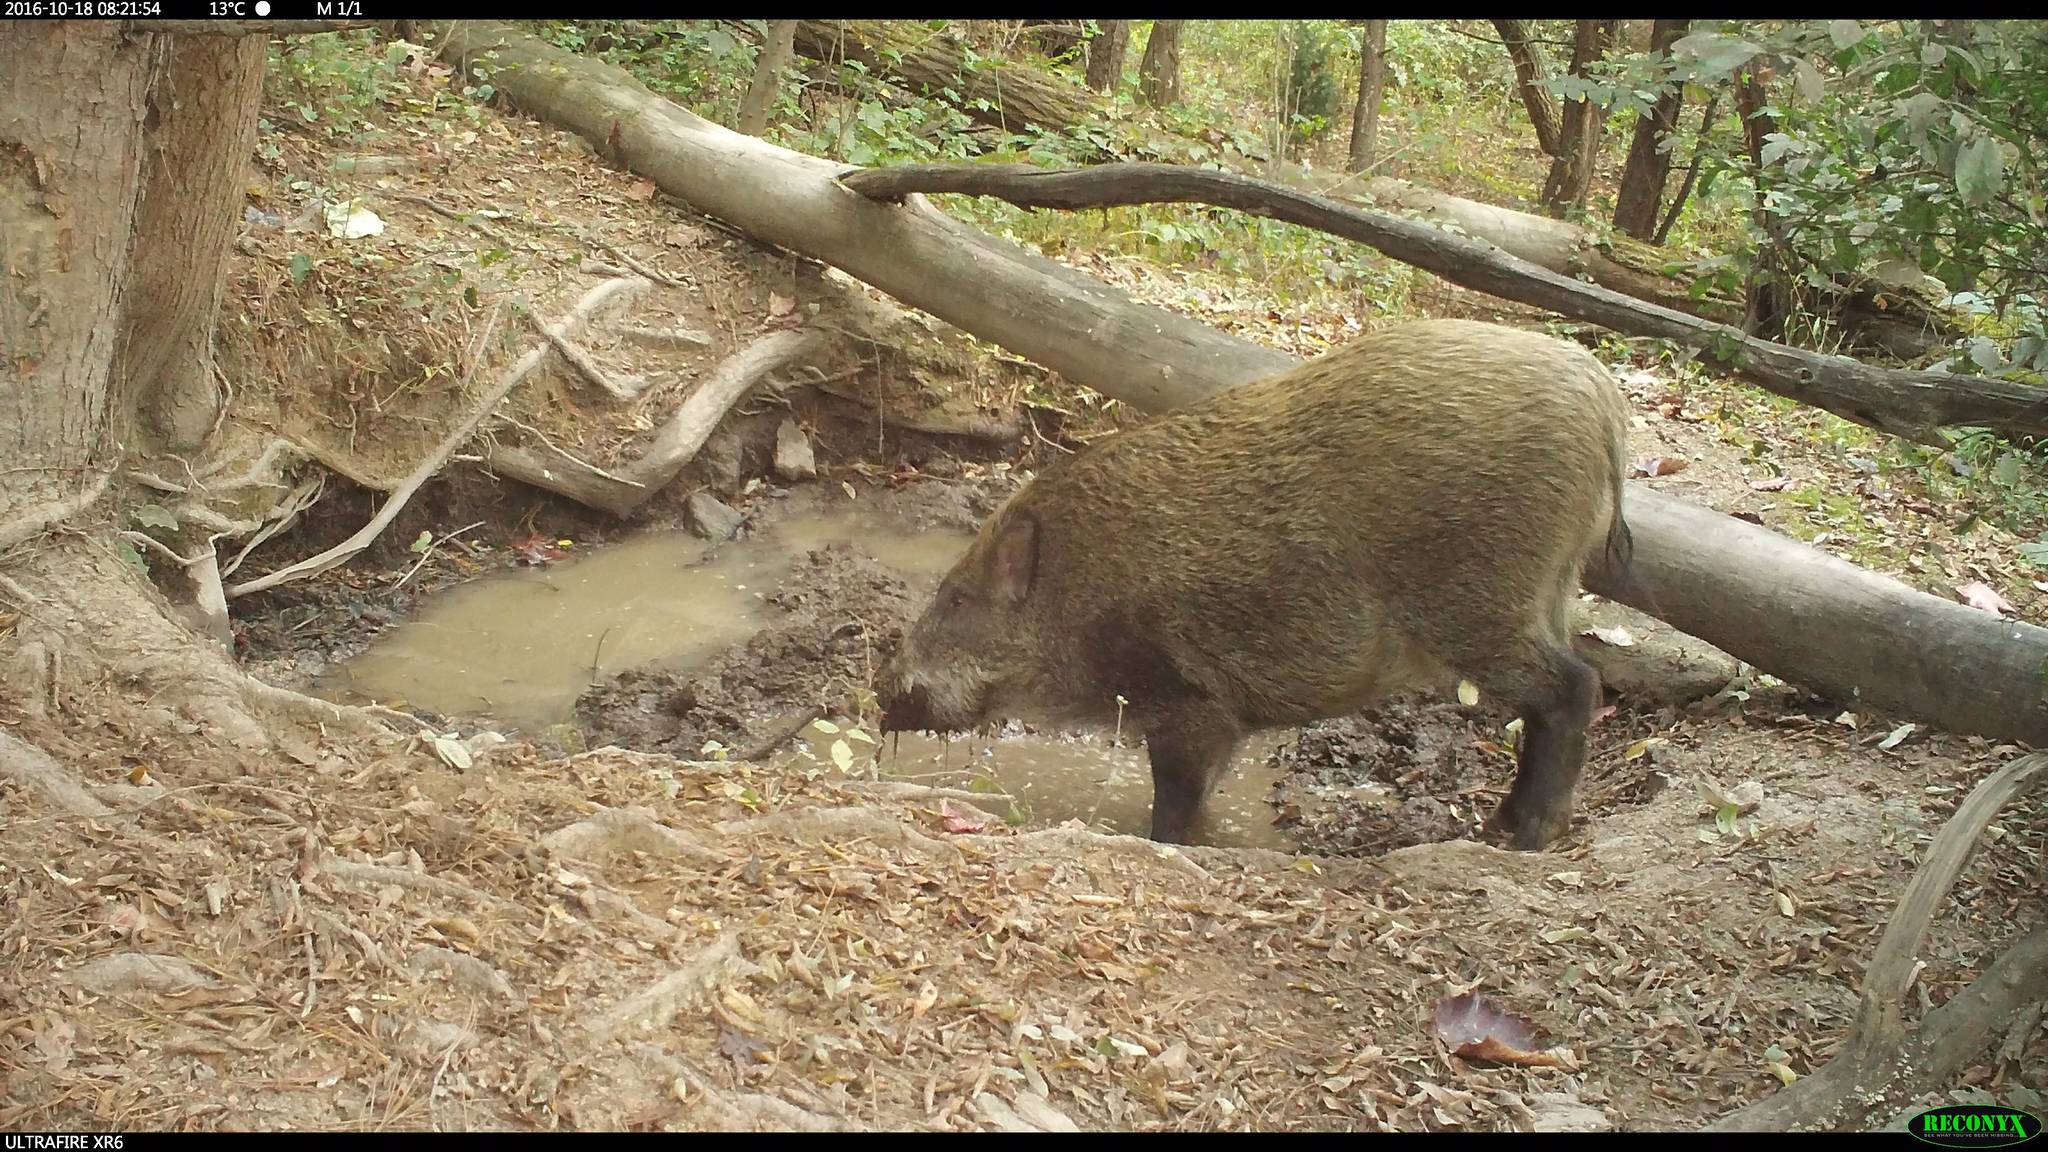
1528 831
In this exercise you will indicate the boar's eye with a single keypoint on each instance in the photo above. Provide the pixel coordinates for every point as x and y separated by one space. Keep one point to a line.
956 599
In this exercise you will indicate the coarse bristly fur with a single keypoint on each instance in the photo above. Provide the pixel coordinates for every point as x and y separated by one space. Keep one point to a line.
1413 508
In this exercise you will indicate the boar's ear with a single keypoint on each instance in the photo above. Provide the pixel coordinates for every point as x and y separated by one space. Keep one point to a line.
1015 562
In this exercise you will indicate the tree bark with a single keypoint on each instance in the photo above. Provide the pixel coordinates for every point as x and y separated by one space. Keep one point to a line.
1159 71
767 82
201 130
1889 645
1372 80
1530 75
1766 304
1692 171
1578 136
1002 93
69 185
1649 155
1106 53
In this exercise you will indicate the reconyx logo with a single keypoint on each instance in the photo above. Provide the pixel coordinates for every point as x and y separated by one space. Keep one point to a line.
1974 1126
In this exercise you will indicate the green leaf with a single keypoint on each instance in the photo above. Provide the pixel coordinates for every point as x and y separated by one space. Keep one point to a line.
425 541
1725 819
127 553
1980 171
302 267
1714 53
156 516
1845 33
1984 354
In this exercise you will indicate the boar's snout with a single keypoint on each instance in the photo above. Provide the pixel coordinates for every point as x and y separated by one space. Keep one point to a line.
906 707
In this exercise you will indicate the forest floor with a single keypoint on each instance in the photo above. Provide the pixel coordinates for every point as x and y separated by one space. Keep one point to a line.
610 921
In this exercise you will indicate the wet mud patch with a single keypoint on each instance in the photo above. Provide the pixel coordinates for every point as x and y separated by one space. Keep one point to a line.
815 656
1409 772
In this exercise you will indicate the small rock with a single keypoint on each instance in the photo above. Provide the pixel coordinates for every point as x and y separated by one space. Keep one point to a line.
1555 1112
713 518
793 457
721 461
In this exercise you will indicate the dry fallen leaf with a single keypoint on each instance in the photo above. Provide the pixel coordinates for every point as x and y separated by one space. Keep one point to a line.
780 305
1774 484
1661 466
958 821
1617 636
1476 1028
641 190
1978 594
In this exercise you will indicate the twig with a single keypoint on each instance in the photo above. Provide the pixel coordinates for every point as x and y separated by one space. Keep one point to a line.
622 388
428 554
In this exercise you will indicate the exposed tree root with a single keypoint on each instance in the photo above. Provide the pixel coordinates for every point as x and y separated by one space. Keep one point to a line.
31 767
675 445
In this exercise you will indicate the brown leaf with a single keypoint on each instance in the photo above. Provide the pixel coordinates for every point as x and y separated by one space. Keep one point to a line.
1661 466
1477 1028
641 190
780 305
958 821
1980 595
738 1045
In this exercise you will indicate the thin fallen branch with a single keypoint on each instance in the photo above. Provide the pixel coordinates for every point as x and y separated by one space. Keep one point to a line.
1905 403
575 321
1876 1054
579 358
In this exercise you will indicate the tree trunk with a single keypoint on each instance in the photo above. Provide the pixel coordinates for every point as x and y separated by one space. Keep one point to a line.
767 82
1002 93
1106 52
1159 71
1578 137
1692 172
69 186
1649 154
202 128
1858 632
1530 75
1766 306
1372 79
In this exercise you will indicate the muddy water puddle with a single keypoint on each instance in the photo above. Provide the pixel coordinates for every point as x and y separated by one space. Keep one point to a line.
1091 779
519 647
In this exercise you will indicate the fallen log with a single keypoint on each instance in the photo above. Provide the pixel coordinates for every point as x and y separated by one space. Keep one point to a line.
1001 93
1905 403
1895 323
1867 637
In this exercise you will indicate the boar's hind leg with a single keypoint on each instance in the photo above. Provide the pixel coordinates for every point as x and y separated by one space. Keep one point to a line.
1189 748
1557 693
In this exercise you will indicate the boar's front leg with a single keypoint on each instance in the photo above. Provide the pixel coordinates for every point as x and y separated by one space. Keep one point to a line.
1190 745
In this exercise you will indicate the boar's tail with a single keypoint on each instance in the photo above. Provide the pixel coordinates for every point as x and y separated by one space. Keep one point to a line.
1620 579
